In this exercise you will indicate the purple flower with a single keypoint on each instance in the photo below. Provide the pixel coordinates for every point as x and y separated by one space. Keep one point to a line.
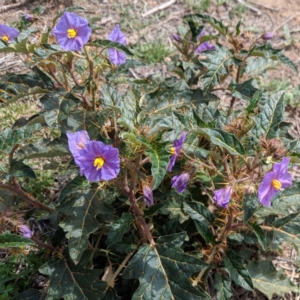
180 182
148 195
77 141
28 17
268 36
98 161
175 151
7 34
222 196
176 37
274 181
115 56
26 232
72 32
206 46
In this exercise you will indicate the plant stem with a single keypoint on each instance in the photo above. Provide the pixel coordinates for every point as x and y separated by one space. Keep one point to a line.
218 245
110 283
16 188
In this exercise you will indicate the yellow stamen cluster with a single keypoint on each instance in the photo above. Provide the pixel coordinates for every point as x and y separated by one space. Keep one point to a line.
72 33
172 150
276 184
5 38
98 163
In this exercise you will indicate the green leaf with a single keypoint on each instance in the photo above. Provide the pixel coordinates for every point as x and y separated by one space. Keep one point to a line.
212 21
19 169
44 148
257 66
10 240
288 230
71 187
260 235
82 210
110 96
267 121
173 207
223 139
10 137
111 44
268 51
268 280
250 205
159 158
254 101
245 90
202 218
118 229
169 96
238 273
70 281
31 294
38 10
223 287
217 64
155 269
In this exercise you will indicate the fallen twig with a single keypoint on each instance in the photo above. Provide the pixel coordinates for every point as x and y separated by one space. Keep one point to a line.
264 6
158 8
250 7
285 22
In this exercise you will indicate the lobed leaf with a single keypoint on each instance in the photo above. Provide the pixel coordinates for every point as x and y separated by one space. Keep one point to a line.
237 272
271 114
81 211
268 280
155 268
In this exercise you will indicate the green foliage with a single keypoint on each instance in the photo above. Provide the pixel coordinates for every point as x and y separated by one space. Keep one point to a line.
102 240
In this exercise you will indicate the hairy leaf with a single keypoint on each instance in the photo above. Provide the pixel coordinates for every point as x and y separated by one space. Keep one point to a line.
223 287
245 90
10 137
268 51
173 207
250 206
159 158
82 210
260 235
156 268
223 139
70 281
202 217
238 273
217 64
118 229
10 240
267 121
268 280
212 21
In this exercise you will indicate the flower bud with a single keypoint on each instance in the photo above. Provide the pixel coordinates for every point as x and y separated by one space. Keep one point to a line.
176 37
28 18
268 36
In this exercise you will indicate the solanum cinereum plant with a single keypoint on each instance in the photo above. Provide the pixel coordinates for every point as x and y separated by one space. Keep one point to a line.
169 181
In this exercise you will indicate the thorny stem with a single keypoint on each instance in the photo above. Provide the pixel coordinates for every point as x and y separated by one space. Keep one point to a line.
15 187
218 245
41 244
233 99
111 282
71 71
143 228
